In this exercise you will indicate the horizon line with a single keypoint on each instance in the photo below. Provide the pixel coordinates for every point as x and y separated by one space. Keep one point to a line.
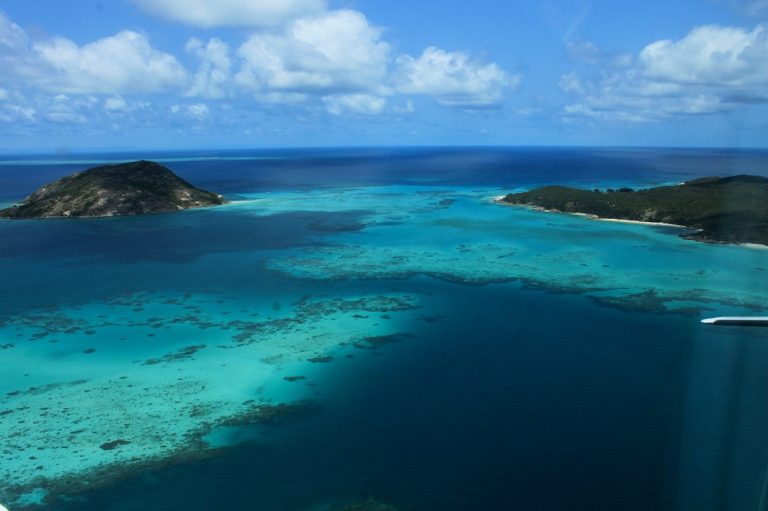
63 153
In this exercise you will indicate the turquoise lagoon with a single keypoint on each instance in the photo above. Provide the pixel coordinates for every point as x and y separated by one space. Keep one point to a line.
370 322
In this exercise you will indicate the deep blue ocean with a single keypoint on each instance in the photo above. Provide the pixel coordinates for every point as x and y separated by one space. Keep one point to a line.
540 362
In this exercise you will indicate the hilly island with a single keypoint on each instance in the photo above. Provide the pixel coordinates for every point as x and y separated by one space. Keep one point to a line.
719 210
134 188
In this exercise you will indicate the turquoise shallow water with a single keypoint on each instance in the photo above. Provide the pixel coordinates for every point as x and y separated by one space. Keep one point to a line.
391 333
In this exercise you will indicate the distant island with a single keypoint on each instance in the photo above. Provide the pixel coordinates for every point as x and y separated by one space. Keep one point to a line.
715 209
134 188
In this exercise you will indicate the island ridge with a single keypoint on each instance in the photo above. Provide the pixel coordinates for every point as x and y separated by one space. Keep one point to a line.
133 188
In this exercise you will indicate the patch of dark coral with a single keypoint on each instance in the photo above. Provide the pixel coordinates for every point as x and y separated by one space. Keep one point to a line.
321 359
336 226
269 414
40 389
373 342
114 444
183 353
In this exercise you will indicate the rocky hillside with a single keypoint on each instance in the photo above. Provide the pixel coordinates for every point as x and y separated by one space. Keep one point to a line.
134 188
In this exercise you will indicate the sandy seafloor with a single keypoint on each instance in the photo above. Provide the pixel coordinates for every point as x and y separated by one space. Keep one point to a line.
133 344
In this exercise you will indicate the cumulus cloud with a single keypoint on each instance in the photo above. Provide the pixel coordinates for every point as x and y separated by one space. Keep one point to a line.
332 60
212 13
453 78
710 54
123 63
711 69
364 104
213 76
337 52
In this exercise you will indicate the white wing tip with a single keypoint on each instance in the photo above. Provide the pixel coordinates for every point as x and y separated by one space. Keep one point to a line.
737 320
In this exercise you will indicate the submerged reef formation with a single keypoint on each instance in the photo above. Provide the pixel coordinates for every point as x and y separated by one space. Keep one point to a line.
642 283
728 210
174 375
134 188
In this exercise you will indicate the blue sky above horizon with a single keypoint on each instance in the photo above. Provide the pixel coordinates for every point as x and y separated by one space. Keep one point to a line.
134 74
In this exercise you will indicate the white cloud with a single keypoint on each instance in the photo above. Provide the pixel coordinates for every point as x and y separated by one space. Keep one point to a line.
302 54
115 104
11 113
712 69
15 57
124 63
198 112
337 52
211 13
12 36
453 78
64 109
364 104
710 55
66 117
119 106
571 83
213 75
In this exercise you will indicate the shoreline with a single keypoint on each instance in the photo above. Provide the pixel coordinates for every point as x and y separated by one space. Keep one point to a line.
590 216
755 246
639 222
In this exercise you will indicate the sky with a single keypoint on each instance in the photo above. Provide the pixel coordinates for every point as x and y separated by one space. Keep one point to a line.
86 75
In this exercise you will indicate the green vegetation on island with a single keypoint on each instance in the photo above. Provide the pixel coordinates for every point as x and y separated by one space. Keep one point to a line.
725 210
134 188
